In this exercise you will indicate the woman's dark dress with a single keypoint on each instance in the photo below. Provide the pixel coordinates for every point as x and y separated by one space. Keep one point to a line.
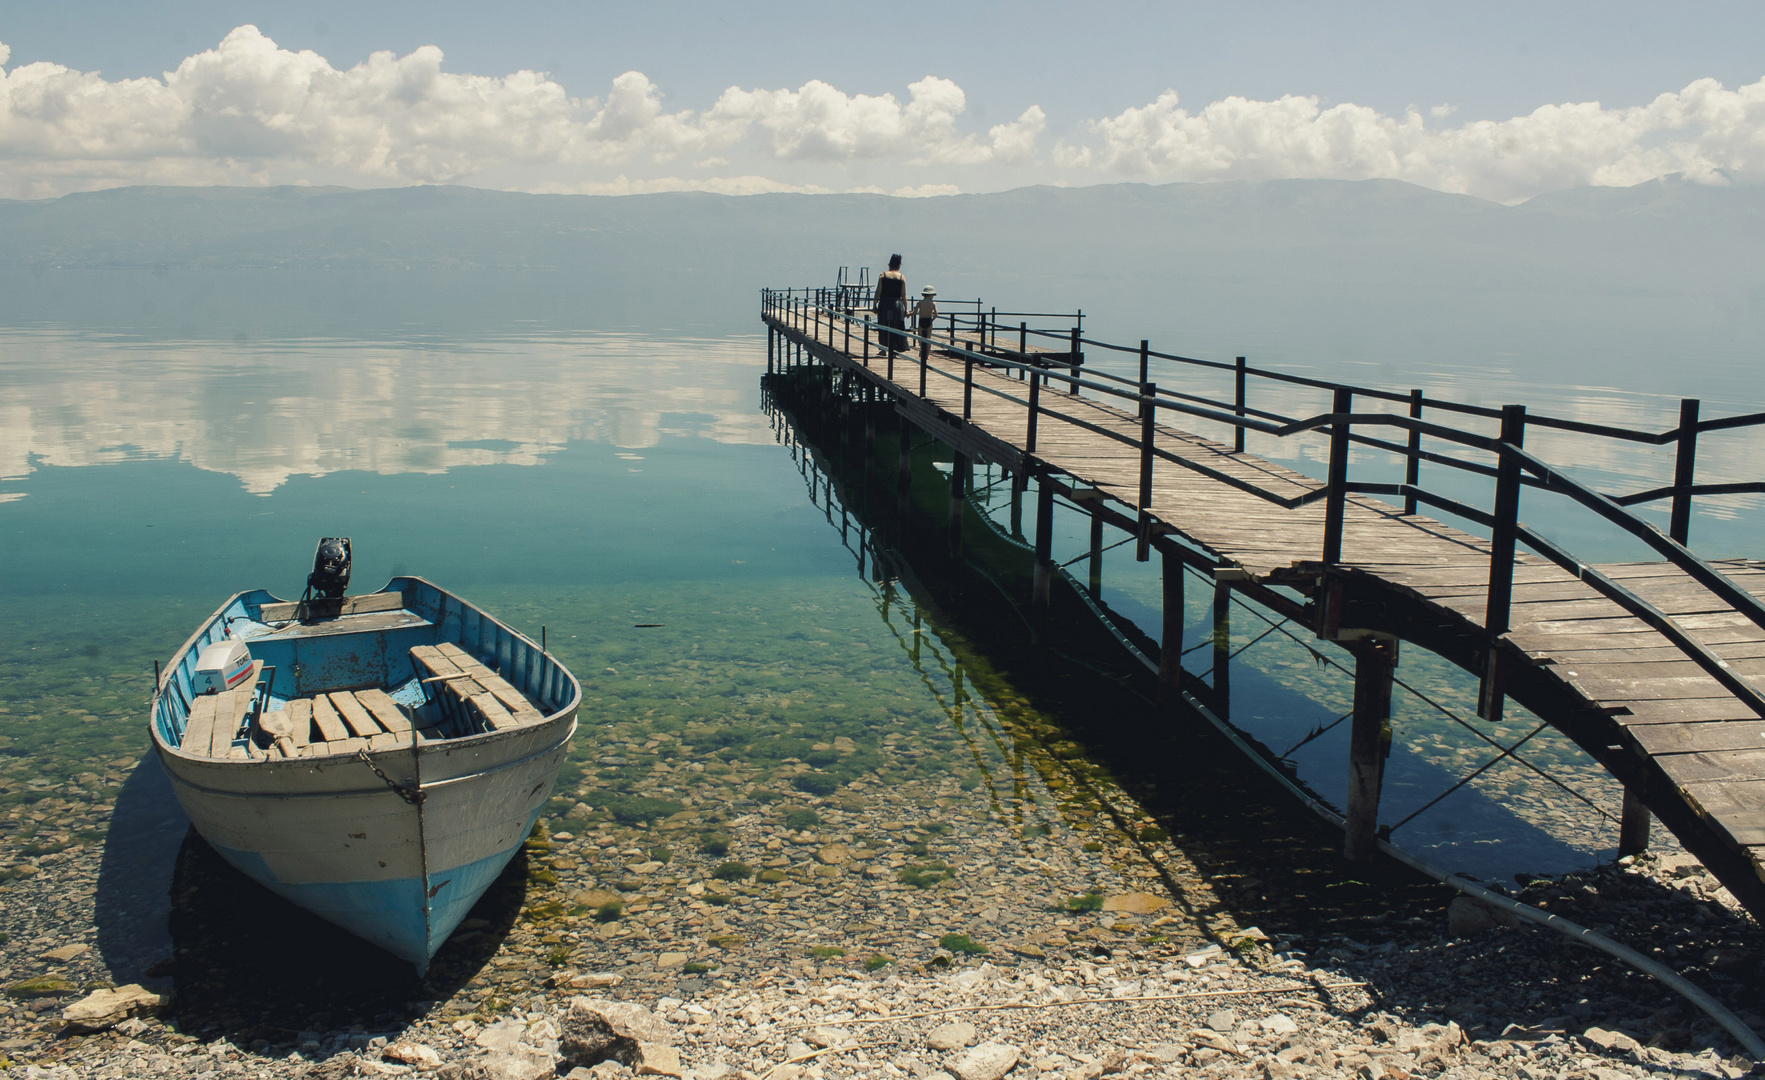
891 303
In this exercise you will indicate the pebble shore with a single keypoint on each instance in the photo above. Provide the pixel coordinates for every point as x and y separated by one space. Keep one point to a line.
918 930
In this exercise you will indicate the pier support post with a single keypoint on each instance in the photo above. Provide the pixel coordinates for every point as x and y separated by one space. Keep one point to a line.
1369 741
1044 576
904 458
1222 649
771 340
1096 560
1170 646
1633 825
959 467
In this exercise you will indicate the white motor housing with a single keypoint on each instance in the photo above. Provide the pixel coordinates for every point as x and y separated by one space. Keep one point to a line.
222 666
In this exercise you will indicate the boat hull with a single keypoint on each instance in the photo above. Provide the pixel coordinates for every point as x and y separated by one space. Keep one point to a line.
395 846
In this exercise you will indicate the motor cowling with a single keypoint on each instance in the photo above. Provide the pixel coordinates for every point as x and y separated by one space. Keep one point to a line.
330 575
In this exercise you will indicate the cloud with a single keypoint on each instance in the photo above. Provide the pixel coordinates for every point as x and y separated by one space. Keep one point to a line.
821 123
250 112
1705 131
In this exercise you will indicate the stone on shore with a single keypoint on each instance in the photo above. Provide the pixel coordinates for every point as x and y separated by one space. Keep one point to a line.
103 1009
596 1030
952 1036
988 1061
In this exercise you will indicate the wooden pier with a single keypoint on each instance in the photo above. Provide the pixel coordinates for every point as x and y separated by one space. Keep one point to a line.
1655 669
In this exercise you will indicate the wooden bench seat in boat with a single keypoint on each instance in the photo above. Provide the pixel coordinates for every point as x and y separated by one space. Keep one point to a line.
461 681
349 605
215 718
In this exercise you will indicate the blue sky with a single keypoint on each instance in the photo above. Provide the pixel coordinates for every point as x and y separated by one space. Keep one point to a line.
1119 91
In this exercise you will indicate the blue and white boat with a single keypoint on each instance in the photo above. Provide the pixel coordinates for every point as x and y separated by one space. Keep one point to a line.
375 759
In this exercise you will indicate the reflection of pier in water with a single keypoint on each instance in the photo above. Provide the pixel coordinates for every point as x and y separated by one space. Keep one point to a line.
1648 667
889 538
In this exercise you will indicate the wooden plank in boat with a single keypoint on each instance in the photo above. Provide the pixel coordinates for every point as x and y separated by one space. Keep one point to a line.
338 748
230 706
384 709
199 727
511 699
351 605
431 660
491 711
300 722
360 721
387 740
331 729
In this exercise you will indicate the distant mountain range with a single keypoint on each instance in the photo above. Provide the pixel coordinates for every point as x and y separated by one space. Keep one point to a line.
1370 271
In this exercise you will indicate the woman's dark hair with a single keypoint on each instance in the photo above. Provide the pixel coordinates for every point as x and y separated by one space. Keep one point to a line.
894 262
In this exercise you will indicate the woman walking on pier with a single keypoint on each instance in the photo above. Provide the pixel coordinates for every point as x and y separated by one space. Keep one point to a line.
891 305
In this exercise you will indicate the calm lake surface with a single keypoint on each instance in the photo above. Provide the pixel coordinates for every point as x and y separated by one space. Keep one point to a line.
632 495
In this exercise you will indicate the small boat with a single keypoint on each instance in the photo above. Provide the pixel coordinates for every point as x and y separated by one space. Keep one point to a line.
375 759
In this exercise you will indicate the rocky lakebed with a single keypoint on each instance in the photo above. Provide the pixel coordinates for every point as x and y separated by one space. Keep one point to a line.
927 928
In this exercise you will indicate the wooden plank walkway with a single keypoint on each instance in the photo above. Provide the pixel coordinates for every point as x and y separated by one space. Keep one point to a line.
1692 750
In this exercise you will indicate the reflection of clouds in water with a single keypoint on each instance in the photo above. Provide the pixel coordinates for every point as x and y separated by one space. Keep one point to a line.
265 414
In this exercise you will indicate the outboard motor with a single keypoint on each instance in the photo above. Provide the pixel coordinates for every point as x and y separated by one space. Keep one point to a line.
330 576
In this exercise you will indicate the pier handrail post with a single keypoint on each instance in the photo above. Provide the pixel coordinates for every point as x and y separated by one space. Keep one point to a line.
1684 471
1143 549
1238 374
923 364
981 318
1412 466
1023 345
1075 358
1029 439
1144 350
993 322
1504 530
1506 517
847 347
1336 500
967 385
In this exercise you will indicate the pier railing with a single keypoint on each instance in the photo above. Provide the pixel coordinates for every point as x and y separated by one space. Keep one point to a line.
839 317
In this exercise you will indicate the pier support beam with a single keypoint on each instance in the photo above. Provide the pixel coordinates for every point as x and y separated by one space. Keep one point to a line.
1633 825
959 467
1044 578
1369 741
1170 647
1222 649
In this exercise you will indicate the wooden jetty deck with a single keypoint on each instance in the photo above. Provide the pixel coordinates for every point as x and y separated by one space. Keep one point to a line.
1654 668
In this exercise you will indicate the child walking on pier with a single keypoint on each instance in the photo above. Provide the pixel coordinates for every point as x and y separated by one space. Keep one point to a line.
927 312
